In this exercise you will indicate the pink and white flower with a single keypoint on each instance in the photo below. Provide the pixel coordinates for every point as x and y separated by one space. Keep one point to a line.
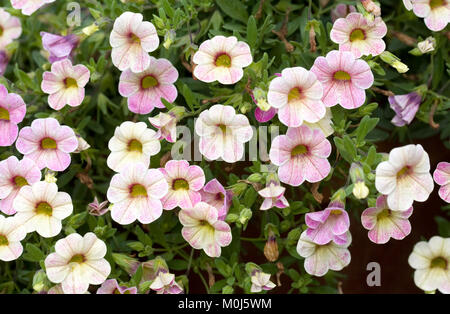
297 95
215 195
47 143
405 107
14 175
131 40
10 28
321 258
11 233
77 262
12 112
203 230
356 34
164 283
341 10
273 195
301 155
166 123
384 223
261 281
111 286
435 12
59 47
28 7
408 4
65 84
222 59
344 79
442 177
185 183
136 193
223 133
41 208
325 124
132 142
405 177
145 89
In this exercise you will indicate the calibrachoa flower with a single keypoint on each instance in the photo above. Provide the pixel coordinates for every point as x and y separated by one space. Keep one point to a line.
273 195
405 177
435 12
405 107
41 208
321 258
341 10
215 195
59 47
431 261
166 123
132 142
164 283
98 209
131 39
65 84
12 112
223 133
4 59
136 193
28 7
297 95
261 281
384 223
10 28
344 79
222 59
47 143
185 183
144 90
14 175
264 116
442 177
77 262
301 155
356 34
111 286
11 233
203 230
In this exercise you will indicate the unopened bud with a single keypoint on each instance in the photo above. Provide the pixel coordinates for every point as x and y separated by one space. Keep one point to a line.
360 190
50 177
271 248
394 62
371 7
169 38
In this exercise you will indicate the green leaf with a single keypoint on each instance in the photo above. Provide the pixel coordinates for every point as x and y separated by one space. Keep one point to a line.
252 32
346 148
366 125
223 267
234 8
33 253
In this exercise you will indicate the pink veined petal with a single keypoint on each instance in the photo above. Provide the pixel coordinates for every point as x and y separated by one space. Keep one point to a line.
8 133
291 173
438 19
205 72
280 151
314 169
361 75
143 102
352 97
129 83
57 160
340 32
51 83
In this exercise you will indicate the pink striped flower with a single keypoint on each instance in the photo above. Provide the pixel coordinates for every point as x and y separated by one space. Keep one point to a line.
59 47
203 230
341 10
222 59
144 90
10 28
131 39
265 116
301 155
435 12
384 223
215 195
14 175
166 123
297 95
111 286
28 7
136 193
47 143
11 233
165 283
65 84
356 34
442 177
344 79
185 183
12 112
273 195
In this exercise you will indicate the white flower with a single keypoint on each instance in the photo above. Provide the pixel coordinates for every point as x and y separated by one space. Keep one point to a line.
431 260
261 281
405 177
41 208
11 233
132 142
164 283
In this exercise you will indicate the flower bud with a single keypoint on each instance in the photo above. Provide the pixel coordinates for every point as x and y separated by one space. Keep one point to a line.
50 176
371 7
427 45
338 199
360 190
271 248
394 62
82 144
91 29
255 177
239 188
129 264
169 38
40 281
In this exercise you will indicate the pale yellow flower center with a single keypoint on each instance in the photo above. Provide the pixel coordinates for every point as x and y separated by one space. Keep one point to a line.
1 31
336 212
138 190
357 34
70 83
44 208
439 262
135 146
180 184
79 258
403 172
48 143
436 3
299 150
342 76
134 39
3 240
20 181
294 94
223 60
223 128
4 114
148 82
206 226
385 213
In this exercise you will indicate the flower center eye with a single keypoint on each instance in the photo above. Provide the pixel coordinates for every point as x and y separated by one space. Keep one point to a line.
135 146
220 197
134 39
48 143
180 184
149 81
138 190
223 128
294 94
206 226
299 150
223 60
403 172
1 31
357 34
79 258
44 208
4 114
342 76
439 262
3 240
433 3
384 214
70 83
20 181
336 212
